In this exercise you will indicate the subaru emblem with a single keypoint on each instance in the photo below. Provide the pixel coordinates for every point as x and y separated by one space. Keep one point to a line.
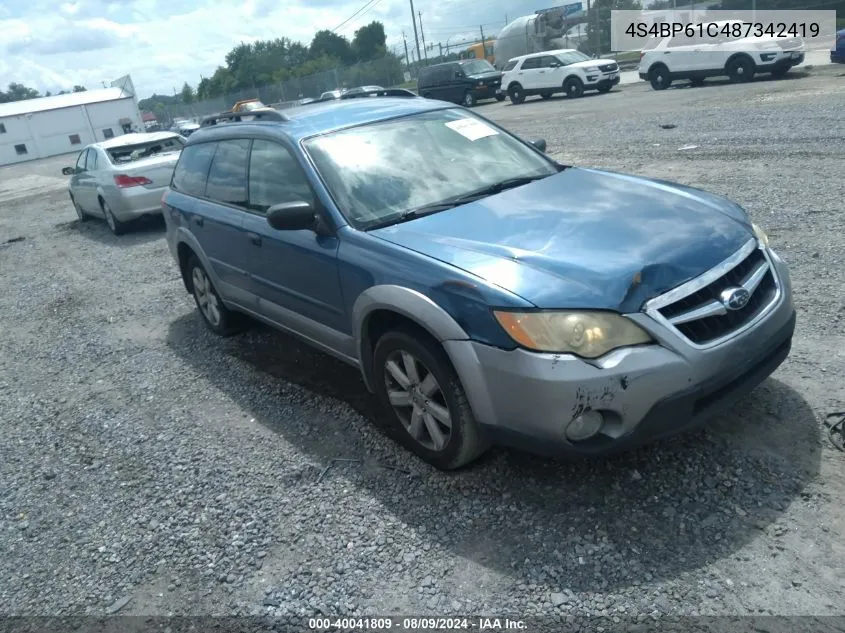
735 298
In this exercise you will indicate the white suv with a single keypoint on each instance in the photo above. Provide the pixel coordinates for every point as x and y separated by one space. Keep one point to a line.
695 58
564 70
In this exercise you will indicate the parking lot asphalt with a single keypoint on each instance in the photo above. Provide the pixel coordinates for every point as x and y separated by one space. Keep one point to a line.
148 467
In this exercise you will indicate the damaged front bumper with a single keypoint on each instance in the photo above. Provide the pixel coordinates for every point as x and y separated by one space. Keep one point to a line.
528 400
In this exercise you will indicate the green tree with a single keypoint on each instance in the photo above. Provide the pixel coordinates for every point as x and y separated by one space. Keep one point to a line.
329 44
187 93
370 42
79 88
18 92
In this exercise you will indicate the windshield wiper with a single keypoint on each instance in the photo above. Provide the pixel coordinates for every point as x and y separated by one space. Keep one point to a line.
437 207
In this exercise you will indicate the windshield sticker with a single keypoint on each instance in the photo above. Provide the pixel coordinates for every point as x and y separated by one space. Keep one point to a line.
471 128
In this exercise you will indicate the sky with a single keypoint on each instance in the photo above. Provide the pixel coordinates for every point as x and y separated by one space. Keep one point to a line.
55 44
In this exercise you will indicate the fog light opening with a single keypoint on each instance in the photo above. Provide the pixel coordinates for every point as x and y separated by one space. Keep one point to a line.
584 426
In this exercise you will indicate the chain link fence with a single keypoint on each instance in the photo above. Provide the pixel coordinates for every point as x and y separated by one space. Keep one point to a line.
386 72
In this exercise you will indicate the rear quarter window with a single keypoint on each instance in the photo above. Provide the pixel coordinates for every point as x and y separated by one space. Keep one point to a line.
191 171
227 176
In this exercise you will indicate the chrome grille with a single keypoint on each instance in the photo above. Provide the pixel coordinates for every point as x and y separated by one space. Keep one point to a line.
701 317
608 68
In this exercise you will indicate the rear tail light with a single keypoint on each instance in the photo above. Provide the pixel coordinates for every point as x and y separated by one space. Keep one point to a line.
124 181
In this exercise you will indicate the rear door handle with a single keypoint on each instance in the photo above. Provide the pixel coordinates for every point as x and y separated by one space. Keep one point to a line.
255 238
198 220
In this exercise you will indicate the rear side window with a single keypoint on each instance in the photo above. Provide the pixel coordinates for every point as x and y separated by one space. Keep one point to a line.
192 169
511 65
227 176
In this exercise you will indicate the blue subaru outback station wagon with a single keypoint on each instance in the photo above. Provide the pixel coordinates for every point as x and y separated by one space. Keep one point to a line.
488 294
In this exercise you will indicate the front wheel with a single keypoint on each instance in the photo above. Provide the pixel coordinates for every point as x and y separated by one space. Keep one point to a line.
517 94
573 87
417 385
217 317
469 99
740 69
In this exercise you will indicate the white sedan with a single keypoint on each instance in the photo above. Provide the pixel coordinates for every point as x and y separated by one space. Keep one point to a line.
123 178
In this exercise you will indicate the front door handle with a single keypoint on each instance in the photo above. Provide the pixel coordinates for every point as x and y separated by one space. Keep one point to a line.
255 238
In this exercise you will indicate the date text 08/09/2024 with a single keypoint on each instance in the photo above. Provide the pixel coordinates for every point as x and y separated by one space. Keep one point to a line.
715 31
417 624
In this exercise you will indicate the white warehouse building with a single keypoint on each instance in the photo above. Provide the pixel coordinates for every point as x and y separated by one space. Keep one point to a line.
49 126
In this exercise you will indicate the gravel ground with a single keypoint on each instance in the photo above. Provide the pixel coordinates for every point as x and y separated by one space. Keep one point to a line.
148 467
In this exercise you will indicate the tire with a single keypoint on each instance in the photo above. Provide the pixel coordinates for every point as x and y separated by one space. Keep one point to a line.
500 97
697 82
469 99
216 316
117 227
573 87
740 69
80 214
546 95
433 417
659 77
516 94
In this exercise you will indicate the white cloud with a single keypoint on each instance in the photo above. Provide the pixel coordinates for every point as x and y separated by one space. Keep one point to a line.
52 44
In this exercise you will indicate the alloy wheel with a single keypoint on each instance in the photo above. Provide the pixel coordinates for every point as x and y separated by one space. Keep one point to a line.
206 298
418 400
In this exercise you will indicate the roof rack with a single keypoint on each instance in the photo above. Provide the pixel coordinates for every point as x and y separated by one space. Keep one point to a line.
254 115
385 92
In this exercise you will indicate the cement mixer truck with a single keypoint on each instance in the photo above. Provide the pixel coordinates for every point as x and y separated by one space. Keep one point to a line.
545 30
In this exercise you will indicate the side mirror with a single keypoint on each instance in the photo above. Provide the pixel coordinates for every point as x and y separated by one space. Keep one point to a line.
68 171
555 65
291 216
539 143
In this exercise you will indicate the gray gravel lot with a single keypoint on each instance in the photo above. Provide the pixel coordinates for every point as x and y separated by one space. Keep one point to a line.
148 467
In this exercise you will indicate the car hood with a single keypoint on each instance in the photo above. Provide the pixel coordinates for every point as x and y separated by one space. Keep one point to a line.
490 74
583 238
591 62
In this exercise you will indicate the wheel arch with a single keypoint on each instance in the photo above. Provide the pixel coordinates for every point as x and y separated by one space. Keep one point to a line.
379 308
513 83
187 245
739 55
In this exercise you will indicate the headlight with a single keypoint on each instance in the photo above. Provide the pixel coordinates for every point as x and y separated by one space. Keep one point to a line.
761 235
585 334
592 69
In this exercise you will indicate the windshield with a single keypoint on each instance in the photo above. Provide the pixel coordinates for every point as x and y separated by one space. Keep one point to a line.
380 171
477 67
572 57
128 153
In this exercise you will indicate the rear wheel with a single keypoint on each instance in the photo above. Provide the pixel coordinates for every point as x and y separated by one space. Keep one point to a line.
573 87
417 385
659 78
117 227
740 69
516 94
469 99
217 317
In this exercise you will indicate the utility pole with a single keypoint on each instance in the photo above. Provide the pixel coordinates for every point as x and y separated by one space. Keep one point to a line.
416 37
422 35
441 50
483 45
407 60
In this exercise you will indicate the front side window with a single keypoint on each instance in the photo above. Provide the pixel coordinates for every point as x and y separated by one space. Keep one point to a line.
91 165
191 171
510 65
80 162
377 172
275 177
531 63
572 57
477 67
227 176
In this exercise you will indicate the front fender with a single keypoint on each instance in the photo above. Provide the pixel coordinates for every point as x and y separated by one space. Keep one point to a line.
408 303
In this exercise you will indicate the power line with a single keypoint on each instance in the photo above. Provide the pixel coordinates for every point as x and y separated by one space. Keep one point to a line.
351 17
